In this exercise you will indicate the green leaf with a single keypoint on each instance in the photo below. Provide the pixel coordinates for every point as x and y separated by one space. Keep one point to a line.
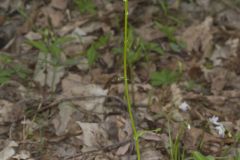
168 31
62 40
164 77
92 55
198 156
102 41
175 47
39 45
85 6
155 47
5 75
5 59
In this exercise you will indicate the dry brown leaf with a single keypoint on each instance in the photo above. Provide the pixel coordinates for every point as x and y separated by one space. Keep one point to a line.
194 136
8 151
226 51
199 37
123 149
6 109
148 32
218 80
61 122
59 4
151 154
70 27
229 18
56 17
73 85
151 136
94 136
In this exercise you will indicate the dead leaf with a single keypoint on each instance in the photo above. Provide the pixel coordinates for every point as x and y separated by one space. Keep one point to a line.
218 80
194 136
23 155
199 37
61 122
56 17
73 85
151 136
94 136
59 4
5 111
8 151
148 32
47 72
33 36
151 154
70 27
123 149
229 18
223 52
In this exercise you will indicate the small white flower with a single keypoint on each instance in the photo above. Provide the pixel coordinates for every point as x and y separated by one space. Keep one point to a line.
221 130
214 120
218 126
184 106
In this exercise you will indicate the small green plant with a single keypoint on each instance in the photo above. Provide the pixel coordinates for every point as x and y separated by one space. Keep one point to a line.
92 52
51 45
164 77
169 31
175 150
8 71
138 48
85 6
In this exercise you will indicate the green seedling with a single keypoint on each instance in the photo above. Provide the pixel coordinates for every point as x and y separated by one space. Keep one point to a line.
175 150
164 6
138 49
169 31
85 6
51 46
8 71
92 52
164 77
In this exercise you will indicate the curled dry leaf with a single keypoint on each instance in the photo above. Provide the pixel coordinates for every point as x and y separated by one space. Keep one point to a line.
61 122
73 85
152 154
229 18
94 136
56 17
199 37
226 51
59 4
9 112
194 136
23 155
8 151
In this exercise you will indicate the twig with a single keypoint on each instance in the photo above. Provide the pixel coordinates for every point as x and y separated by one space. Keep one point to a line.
106 148
81 98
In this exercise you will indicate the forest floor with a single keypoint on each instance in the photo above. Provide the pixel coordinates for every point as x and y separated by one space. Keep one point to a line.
61 79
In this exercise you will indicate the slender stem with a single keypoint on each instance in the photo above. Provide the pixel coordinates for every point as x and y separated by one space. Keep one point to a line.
135 134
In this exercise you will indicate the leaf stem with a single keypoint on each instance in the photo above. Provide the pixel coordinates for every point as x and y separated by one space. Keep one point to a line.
126 92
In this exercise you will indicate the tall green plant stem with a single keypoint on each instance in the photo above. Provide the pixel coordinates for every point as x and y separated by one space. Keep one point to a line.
135 133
